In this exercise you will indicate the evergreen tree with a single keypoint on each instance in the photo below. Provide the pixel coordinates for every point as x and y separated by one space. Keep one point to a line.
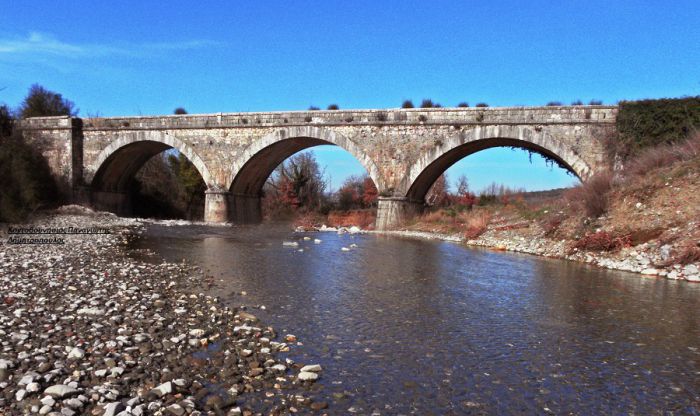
41 102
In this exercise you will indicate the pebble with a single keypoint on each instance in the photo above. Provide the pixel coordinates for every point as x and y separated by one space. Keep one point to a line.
307 376
60 391
314 368
95 330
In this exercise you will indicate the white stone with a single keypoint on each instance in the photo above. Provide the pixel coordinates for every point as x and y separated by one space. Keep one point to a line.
76 353
175 409
307 376
60 391
21 393
693 278
314 368
199 333
48 400
91 311
25 380
163 389
690 270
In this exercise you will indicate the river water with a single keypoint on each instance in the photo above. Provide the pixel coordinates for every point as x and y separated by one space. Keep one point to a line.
405 326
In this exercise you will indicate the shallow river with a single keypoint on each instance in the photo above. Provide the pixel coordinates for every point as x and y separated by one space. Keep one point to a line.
405 326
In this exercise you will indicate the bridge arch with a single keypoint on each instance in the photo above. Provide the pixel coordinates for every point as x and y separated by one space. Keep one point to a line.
113 170
122 158
257 162
424 172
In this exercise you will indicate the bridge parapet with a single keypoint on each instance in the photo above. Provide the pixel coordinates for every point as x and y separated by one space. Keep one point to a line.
413 116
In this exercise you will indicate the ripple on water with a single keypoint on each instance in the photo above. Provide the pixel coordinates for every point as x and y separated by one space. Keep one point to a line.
424 327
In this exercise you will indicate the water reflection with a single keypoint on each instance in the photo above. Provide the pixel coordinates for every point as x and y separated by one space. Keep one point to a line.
407 326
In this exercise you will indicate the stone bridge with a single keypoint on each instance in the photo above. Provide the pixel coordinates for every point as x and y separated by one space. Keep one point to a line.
403 150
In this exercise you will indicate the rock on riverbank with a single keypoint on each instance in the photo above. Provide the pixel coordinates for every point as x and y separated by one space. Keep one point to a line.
643 258
84 329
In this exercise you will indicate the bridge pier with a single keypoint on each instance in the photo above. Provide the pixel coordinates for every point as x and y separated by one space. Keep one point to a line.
393 212
216 206
245 209
113 201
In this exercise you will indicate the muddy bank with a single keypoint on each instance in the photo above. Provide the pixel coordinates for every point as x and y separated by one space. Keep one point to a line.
85 329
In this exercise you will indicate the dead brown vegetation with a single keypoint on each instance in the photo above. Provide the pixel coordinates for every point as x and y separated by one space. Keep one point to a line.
592 197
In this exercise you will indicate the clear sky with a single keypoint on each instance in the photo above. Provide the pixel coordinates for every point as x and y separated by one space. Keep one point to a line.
142 57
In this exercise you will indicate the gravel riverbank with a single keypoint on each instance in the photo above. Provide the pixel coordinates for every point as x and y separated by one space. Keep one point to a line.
643 258
84 329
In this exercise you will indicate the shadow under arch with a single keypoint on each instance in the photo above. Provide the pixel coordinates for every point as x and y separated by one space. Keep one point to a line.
115 167
259 160
426 171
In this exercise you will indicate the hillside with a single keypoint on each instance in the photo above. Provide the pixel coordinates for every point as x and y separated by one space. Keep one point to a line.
648 222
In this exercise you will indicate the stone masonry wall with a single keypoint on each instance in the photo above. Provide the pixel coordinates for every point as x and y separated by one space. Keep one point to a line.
392 144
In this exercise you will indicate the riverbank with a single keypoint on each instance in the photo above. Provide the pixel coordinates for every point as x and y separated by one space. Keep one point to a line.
86 329
643 219
650 259
643 258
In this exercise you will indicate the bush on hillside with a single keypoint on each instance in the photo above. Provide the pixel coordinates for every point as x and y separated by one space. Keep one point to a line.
646 123
592 196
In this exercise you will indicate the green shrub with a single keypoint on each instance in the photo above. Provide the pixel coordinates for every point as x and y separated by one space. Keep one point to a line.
646 123
25 180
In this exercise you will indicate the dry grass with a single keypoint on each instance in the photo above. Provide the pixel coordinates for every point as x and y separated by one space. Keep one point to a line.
687 255
364 219
663 156
602 241
438 216
474 223
592 196
309 220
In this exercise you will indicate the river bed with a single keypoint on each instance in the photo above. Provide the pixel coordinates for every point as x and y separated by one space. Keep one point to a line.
406 326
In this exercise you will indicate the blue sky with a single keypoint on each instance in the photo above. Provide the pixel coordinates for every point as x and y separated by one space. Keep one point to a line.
136 57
